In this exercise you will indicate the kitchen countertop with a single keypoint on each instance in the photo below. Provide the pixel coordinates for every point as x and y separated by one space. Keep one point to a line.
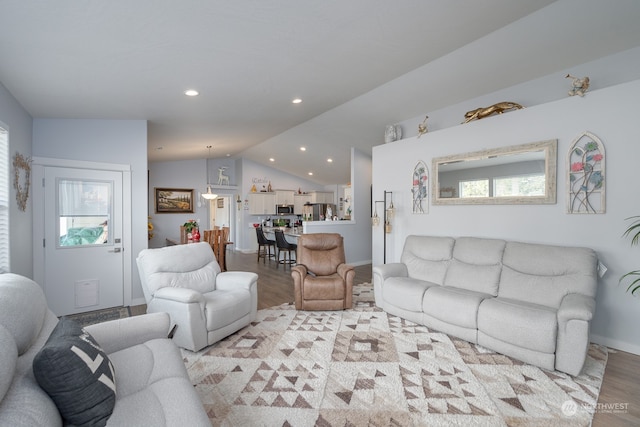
288 231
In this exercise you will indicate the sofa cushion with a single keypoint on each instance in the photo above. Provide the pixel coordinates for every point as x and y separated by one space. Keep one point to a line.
26 404
405 292
77 374
154 388
329 287
224 306
8 358
544 274
476 265
427 257
522 324
453 305
24 308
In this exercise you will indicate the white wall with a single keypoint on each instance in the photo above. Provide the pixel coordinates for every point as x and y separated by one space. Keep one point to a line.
107 141
622 67
610 114
18 122
189 174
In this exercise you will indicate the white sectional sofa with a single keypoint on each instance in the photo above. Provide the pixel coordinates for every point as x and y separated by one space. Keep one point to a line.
529 301
146 384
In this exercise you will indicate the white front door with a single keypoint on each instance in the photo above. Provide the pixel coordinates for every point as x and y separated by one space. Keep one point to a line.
83 249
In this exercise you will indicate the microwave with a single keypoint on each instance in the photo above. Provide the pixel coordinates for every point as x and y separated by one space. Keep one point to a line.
284 209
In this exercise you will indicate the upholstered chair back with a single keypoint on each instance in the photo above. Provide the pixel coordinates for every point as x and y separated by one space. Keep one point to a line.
545 274
24 308
191 266
25 325
321 253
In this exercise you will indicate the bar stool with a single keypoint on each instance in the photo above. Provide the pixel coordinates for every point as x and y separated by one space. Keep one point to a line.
283 245
264 246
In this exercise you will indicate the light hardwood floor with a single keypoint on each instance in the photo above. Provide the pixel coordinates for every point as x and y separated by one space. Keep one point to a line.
619 400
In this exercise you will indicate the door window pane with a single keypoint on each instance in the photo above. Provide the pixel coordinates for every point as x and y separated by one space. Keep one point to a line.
84 210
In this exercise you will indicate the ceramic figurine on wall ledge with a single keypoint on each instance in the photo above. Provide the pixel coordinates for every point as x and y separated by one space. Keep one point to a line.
392 133
498 108
579 86
222 178
422 127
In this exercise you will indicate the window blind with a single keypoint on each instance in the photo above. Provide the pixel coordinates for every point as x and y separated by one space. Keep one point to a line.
4 201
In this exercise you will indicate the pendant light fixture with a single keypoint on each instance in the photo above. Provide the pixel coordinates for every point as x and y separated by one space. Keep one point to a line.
209 195
375 219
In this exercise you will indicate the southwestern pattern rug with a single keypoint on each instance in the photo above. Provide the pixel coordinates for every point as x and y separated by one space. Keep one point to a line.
364 367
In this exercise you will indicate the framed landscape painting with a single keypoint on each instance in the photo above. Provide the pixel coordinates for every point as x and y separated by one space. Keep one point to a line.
174 200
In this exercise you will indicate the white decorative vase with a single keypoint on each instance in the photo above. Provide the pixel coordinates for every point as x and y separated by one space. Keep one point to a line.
398 132
392 133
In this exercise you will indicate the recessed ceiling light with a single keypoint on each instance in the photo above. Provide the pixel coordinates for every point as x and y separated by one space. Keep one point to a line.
310 173
296 101
303 148
191 92
271 159
329 160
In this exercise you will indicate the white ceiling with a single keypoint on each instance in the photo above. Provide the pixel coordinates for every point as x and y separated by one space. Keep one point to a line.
357 64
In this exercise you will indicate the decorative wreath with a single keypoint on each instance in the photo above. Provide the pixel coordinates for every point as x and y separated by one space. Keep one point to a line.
22 190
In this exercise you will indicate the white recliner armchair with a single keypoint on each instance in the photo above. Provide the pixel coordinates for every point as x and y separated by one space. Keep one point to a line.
205 303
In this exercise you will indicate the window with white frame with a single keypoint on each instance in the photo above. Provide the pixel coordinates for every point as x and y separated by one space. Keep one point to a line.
474 188
4 200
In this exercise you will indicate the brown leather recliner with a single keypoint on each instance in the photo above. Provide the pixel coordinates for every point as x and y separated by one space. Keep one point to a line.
321 279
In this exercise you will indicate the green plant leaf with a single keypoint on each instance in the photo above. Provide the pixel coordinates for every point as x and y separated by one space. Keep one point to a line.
633 230
635 284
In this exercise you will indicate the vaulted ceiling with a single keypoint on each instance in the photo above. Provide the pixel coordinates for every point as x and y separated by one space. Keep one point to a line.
357 65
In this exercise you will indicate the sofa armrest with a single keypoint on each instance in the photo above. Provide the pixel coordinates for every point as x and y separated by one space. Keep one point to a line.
184 295
576 307
344 269
299 270
381 273
235 279
395 269
115 335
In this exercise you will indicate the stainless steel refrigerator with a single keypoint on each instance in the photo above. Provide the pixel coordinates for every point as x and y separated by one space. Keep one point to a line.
319 211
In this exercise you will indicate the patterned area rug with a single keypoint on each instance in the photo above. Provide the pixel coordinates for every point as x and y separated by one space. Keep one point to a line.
364 367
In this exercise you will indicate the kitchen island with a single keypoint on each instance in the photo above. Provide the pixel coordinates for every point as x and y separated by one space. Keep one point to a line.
290 233
357 249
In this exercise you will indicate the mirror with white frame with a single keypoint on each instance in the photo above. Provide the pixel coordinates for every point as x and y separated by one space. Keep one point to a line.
519 174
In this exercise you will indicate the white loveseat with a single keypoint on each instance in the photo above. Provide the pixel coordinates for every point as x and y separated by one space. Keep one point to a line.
152 387
529 301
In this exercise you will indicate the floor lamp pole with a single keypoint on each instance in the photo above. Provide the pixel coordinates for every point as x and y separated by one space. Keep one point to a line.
385 220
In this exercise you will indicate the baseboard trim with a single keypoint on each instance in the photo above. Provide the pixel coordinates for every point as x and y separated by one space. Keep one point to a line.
616 344
138 301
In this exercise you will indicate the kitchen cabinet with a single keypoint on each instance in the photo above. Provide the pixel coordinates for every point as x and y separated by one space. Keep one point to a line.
298 202
262 203
284 197
322 197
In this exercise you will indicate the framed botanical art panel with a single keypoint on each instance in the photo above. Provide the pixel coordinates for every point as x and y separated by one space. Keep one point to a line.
174 200
586 175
